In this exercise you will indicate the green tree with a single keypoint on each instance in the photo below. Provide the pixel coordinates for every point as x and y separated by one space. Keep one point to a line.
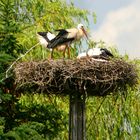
9 27
21 116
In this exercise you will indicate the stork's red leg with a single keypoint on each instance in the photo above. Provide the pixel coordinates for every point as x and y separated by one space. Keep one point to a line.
64 51
51 55
68 51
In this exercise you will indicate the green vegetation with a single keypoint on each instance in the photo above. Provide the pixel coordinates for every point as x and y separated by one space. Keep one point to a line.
117 118
40 117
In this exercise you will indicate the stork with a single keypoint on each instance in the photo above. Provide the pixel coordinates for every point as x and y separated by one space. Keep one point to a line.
96 53
46 37
67 36
99 53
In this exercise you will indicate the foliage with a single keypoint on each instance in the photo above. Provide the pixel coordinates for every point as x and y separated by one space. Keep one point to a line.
36 118
9 27
94 17
5 60
117 117
26 131
21 116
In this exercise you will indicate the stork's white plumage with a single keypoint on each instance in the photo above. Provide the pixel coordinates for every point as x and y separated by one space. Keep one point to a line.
46 37
93 52
67 36
82 55
50 36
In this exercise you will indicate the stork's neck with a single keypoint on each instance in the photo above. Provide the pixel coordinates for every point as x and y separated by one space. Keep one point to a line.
80 34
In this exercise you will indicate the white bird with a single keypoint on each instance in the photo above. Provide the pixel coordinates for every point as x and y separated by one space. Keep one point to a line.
46 37
99 53
96 53
67 36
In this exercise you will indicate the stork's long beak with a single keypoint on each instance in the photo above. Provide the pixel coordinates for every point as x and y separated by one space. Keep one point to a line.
85 33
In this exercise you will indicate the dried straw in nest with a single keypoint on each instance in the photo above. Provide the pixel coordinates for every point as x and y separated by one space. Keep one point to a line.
94 78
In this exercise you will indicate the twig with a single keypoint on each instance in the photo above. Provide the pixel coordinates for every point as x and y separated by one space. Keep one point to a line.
2 80
18 59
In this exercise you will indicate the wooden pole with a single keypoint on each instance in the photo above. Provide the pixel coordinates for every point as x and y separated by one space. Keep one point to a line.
77 117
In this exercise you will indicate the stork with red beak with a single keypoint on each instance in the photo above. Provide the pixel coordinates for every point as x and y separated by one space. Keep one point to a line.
67 36
46 37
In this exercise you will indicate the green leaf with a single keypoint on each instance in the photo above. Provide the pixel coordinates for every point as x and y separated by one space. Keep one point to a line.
94 17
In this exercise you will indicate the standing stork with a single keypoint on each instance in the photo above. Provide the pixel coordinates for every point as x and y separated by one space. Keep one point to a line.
46 37
67 36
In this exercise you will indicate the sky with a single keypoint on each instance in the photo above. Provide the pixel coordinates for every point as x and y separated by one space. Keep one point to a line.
118 23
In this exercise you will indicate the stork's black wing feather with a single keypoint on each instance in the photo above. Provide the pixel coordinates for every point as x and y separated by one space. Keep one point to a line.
44 34
60 39
62 32
107 52
102 56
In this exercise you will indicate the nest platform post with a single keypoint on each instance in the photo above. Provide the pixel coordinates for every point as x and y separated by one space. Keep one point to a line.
77 130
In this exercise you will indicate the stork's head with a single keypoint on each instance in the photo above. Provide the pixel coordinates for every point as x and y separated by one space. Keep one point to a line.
81 27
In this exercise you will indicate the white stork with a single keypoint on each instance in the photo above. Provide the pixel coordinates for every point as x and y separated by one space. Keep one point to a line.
99 53
67 36
46 37
96 53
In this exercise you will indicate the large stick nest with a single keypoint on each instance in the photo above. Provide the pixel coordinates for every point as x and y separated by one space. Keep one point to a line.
94 78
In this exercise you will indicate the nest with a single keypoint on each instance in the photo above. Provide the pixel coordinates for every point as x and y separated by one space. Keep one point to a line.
95 78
